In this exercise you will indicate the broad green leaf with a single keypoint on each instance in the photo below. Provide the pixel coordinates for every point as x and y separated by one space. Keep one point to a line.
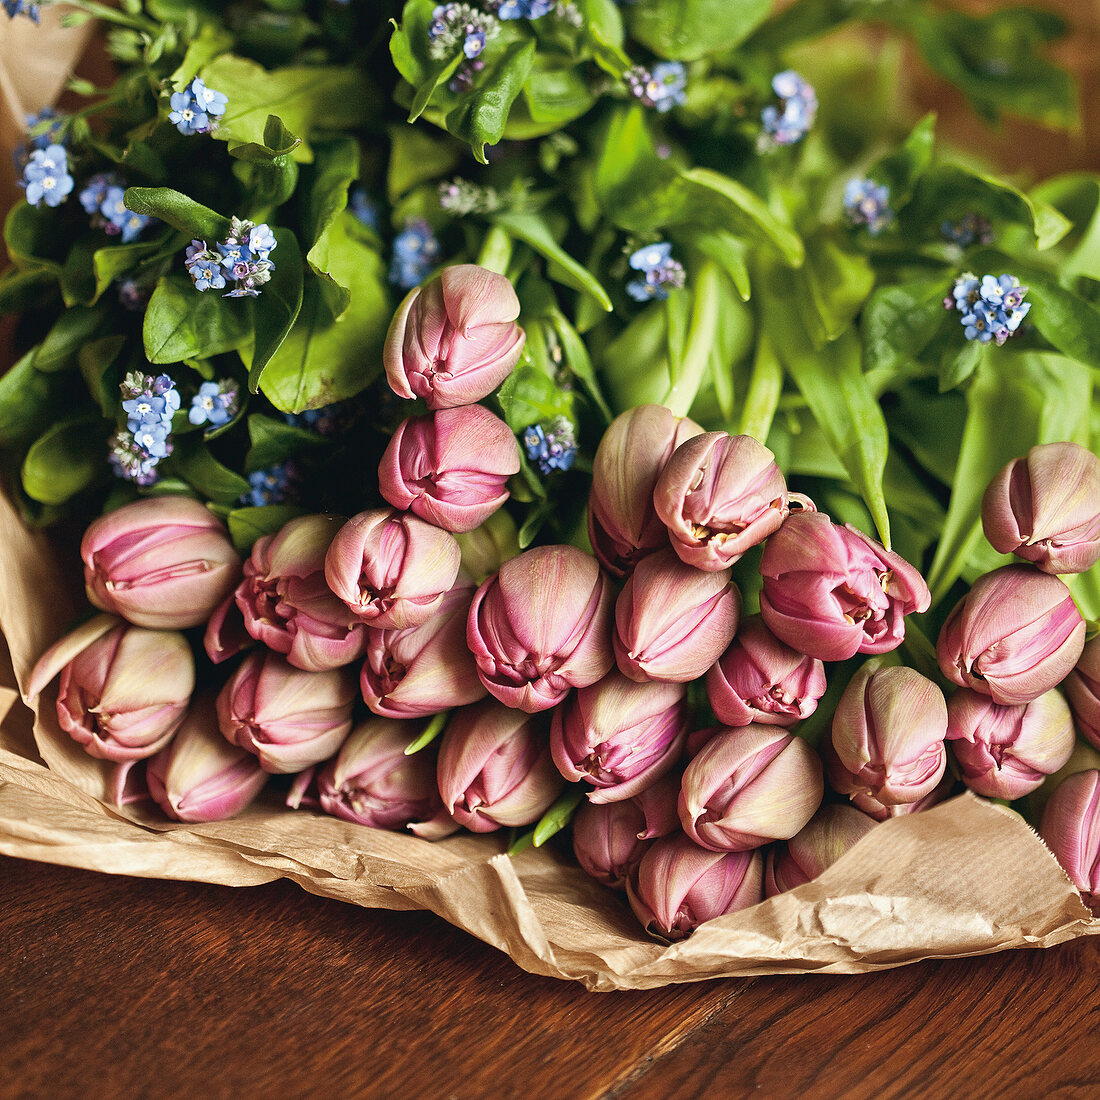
182 323
576 355
178 211
95 359
211 41
32 239
901 169
899 321
111 263
1070 323
418 156
1076 196
78 282
29 400
960 363
248 524
685 30
73 328
274 441
832 286
728 251
325 185
482 113
529 396
22 290
193 461
554 96
277 307
67 458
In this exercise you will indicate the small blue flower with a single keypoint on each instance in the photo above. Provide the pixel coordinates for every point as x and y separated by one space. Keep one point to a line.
364 208
524 9
20 7
458 24
206 274
95 191
415 251
46 176
992 308
978 324
868 204
53 134
326 420
272 485
215 403
662 88
792 119
235 252
193 108
261 241
659 272
208 100
972 229
553 447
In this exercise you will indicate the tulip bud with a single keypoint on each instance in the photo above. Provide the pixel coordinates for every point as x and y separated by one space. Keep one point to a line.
749 786
494 768
876 810
1016 634
623 525
1082 688
831 592
1071 828
541 626
200 776
423 669
287 604
372 781
618 735
679 885
390 568
453 340
163 562
124 690
225 635
720 495
487 547
1005 752
761 679
288 717
450 468
672 621
1046 508
888 733
828 835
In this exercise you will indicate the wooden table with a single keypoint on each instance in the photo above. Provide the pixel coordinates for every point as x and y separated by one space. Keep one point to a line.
128 988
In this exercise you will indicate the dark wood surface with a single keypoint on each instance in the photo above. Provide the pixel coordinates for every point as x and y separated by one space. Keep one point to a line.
117 987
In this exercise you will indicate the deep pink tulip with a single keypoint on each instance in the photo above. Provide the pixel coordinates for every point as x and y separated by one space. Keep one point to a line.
542 626
828 835
831 592
163 562
453 340
495 768
1082 688
1071 828
673 621
623 525
1015 635
1046 508
720 495
618 735
451 467
761 679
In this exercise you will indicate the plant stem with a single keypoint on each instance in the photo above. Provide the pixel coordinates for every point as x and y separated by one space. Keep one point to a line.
496 250
762 400
704 328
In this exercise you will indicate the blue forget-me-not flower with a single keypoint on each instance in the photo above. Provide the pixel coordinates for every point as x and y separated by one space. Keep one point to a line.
196 109
20 7
791 120
457 24
553 447
415 250
991 308
149 403
46 176
868 204
662 88
215 403
659 272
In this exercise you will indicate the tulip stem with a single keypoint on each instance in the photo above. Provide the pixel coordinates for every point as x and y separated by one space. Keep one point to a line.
496 251
431 731
765 387
700 342
559 815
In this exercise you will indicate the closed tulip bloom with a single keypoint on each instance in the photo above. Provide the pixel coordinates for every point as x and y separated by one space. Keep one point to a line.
372 782
679 885
163 562
827 836
1071 828
749 786
450 468
421 670
542 626
199 776
831 592
720 495
623 525
287 604
871 806
455 339
390 568
618 735
290 718
1046 508
124 690
761 679
888 732
673 621
1082 688
1005 752
1015 635
495 769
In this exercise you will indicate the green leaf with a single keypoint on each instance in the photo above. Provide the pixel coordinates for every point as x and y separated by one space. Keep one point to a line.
178 211
73 328
1076 197
559 815
728 251
416 157
685 30
32 239
960 363
246 525
438 77
552 97
22 290
274 441
576 356
278 305
182 323
210 41
109 264
1070 323
95 359
899 321
66 458
529 396
193 461
901 169
325 185
832 286
78 282
28 401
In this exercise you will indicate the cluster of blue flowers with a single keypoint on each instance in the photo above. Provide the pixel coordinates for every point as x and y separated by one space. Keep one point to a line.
46 176
365 209
662 88
415 251
149 403
659 272
868 204
272 485
103 197
215 404
20 7
553 447
971 229
991 308
242 257
197 108
523 9
53 134
327 420
792 119
453 24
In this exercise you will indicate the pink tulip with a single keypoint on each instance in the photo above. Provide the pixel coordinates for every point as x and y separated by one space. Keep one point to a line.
1046 508
163 562
453 340
673 621
225 635
1005 752
390 568
287 604
761 679
423 669
1015 635
372 782
875 809
290 718
1082 688
495 769
623 525
1071 828
619 736
451 467
720 495
541 626
679 885
828 835
749 786
831 592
